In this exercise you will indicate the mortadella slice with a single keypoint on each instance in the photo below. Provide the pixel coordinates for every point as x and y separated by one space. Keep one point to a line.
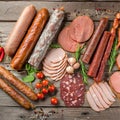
46 38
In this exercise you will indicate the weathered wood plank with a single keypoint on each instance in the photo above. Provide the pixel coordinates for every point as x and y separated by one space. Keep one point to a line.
10 10
54 113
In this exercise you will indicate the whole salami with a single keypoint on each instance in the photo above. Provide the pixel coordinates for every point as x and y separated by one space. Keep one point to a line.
47 37
72 90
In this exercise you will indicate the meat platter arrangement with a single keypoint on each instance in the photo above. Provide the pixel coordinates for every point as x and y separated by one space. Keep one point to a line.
68 55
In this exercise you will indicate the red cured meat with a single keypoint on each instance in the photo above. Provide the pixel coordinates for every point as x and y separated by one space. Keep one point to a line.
72 90
81 28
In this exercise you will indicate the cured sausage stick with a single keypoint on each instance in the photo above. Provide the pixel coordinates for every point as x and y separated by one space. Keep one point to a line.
18 32
47 37
94 66
30 39
15 95
94 40
105 58
17 83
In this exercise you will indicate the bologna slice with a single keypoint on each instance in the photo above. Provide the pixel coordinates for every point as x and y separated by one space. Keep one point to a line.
19 31
81 28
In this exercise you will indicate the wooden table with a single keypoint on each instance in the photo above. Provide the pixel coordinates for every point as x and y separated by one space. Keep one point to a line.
10 110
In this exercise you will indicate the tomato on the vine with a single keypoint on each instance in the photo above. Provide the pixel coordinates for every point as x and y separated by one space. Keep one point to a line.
54 101
51 88
38 85
40 96
45 82
40 75
44 90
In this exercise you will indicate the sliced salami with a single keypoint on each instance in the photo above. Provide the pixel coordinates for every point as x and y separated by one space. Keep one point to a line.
72 90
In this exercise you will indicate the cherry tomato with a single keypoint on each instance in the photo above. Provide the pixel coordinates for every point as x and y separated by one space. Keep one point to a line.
40 75
44 90
45 82
51 88
54 101
38 85
40 96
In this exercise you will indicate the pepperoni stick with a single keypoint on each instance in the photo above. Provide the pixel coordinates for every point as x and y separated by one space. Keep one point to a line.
94 66
94 40
30 39
105 58
17 83
15 95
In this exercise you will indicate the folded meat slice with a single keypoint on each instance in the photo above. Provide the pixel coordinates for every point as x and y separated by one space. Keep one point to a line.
106 91
102 94
108 87
91 102
55 56
96 99
105 105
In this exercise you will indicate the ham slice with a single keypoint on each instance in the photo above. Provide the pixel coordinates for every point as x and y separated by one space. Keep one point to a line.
115 81
66 42
91 102
81 28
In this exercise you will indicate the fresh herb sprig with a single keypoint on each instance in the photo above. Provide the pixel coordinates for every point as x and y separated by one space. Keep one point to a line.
83 69
84 72
113 55
55 45
30 74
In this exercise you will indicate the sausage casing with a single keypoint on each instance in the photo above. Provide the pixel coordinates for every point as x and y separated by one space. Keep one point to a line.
17 83
94 40
19 31
15 95
30 39
46 37
94 66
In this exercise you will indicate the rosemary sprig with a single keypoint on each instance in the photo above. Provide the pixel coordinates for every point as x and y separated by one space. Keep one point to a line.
113 55
55 45
84 72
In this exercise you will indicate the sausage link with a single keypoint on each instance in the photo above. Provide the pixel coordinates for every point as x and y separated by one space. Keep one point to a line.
95 40
47 37
105 58
15 95
94 66
118 45
115 23
30 39
18 84
18 32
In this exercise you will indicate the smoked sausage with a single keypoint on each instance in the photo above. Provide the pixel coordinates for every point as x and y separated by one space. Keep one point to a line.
19 31
15 95
94 40
17 83
46 37
94 66
105 58
30 39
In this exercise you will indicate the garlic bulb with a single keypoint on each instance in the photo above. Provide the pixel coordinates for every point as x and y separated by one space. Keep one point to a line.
76 65
71 61
70 69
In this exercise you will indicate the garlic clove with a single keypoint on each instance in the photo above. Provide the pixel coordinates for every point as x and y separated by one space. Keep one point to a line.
70 69
76 65
71 61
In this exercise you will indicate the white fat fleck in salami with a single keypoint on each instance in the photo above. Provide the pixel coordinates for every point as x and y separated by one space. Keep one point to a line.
46 38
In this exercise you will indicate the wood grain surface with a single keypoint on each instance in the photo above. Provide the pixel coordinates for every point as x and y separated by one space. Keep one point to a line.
9 13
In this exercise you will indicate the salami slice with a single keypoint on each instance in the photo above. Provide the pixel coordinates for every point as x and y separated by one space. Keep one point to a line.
72 90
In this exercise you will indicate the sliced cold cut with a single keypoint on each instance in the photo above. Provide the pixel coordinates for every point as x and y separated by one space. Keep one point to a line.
47 37
30 39
66 42
81 28
72 90
91 102
19 31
